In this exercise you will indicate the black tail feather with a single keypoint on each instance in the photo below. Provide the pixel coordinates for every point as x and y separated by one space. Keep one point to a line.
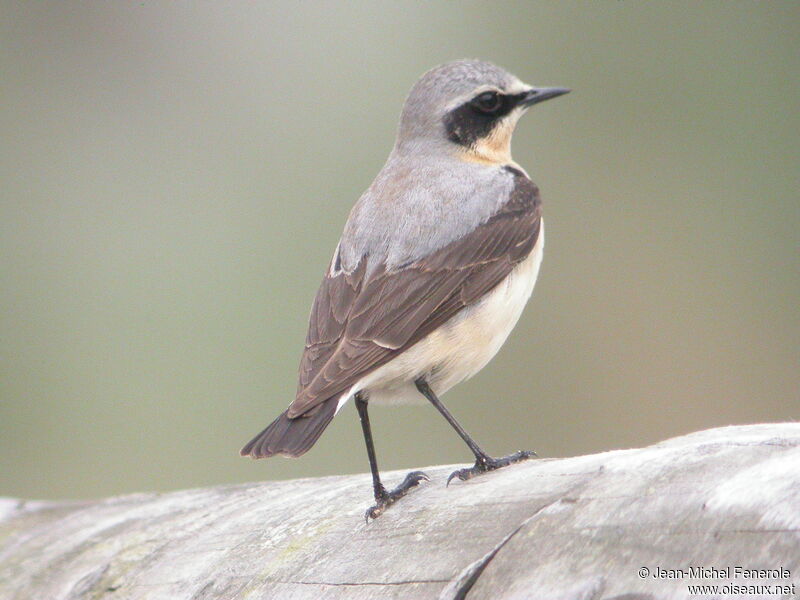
292 437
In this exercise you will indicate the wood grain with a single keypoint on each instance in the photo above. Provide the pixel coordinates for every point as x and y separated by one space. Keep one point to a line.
577 528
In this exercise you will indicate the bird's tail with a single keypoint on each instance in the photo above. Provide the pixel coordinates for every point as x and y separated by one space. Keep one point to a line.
292 436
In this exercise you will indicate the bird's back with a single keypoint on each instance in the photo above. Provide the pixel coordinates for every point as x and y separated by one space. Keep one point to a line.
415 207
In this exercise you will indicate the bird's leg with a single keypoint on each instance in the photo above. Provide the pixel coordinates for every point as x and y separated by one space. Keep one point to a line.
383 499
483 462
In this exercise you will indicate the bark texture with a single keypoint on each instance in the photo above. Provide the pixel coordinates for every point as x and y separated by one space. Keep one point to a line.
573 528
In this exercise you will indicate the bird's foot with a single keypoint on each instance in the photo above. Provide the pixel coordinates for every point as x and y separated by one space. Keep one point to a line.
487 463
386 499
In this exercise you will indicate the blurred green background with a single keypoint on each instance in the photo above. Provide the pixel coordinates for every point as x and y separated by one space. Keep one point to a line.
175 177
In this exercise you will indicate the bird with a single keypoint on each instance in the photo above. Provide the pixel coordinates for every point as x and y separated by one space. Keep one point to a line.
433 269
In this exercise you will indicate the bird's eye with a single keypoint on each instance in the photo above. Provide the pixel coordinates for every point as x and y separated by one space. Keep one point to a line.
487 102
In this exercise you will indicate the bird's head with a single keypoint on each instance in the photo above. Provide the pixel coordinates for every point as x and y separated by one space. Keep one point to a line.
470 106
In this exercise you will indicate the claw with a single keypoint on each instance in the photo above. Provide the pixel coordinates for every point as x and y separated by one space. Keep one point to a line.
490 464
522 455
373 512
412 480
462 474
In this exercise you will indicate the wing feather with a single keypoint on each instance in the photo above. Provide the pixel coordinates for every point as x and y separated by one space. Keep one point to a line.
359 322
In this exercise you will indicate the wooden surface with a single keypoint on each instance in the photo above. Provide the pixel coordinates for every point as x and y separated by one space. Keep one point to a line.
575 528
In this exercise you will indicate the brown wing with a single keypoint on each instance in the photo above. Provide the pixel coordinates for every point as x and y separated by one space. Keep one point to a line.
359 323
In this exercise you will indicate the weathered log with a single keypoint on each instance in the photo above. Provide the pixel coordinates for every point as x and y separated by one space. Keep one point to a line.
572 528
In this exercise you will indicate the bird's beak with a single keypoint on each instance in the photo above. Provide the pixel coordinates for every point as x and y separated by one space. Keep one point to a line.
535 95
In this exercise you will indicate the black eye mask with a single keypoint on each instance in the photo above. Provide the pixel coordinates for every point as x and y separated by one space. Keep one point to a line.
475 119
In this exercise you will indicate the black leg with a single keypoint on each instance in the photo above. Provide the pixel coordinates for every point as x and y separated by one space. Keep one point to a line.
483 462
383 498
377 486
426 391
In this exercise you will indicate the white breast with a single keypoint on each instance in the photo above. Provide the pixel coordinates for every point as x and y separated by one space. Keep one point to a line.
462 346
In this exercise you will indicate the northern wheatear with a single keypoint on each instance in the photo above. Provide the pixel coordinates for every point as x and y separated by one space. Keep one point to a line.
436 262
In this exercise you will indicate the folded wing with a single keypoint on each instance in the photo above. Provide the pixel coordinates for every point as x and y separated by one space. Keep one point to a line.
359 322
